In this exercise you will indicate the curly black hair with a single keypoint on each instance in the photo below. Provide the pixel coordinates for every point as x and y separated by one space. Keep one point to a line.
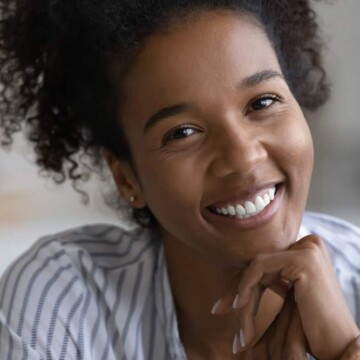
55 84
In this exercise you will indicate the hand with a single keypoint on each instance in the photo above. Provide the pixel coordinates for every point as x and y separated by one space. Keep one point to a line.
325 317
278 331
353 351
283 339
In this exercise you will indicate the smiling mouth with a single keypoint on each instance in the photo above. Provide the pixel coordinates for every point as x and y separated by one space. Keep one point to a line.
249 208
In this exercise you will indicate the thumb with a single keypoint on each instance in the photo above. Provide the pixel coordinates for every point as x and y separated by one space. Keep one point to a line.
353 350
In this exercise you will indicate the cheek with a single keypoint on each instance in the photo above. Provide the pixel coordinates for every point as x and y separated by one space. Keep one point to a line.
172 188
295 147
303 149
298 159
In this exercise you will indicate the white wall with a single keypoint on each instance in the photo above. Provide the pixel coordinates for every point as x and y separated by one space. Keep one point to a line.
336 128
30 206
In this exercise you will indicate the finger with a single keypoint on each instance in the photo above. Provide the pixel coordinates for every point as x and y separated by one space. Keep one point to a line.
225 304
310 241
272 281
284 265
280 329
247 320
261 347
266 268
254 317
280 287
290 265
295 344
353 351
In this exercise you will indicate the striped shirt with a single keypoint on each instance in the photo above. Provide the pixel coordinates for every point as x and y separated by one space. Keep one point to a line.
100 292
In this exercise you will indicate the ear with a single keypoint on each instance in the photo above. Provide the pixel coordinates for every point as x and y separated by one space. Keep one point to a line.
125 180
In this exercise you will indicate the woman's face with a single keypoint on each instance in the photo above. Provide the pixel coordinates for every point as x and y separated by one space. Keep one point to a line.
214 129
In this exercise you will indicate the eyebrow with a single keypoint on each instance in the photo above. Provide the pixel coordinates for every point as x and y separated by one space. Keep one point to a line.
168 112
260 77
181 108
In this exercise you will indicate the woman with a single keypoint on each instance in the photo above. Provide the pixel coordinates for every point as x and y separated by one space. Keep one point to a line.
196 108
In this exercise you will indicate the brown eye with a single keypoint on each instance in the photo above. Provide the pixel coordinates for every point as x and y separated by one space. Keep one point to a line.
179 133
263 102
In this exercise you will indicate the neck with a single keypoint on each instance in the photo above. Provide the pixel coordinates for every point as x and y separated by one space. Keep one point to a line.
196 284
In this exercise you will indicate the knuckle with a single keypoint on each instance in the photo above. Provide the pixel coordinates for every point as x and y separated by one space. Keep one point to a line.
311 246
315 241
314 252
258 259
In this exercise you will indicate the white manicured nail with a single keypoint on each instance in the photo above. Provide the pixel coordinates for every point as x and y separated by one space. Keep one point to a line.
236 302
235 348
242 338
215 307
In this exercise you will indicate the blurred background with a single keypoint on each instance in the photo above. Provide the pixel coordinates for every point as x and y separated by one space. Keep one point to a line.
31 206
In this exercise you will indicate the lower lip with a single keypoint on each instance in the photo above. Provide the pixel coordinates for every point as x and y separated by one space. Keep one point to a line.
252 222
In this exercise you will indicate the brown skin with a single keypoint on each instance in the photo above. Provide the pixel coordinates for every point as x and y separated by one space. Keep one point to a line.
230 148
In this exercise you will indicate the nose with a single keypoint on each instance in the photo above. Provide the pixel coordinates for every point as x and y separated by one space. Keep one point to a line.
238 151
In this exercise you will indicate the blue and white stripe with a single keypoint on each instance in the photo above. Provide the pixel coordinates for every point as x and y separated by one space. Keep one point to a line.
100 292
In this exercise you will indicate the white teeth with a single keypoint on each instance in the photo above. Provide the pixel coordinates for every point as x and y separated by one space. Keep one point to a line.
240 210
272 193
266 199
250 207
259 203
231 210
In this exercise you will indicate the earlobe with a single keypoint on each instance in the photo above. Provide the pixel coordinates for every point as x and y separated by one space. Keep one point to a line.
125 180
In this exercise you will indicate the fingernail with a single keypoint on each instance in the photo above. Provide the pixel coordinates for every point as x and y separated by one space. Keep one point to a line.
358 342
235 347
215 307
236 302
242 338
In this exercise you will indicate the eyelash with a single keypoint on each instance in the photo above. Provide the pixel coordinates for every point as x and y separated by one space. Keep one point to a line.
173 133
272 97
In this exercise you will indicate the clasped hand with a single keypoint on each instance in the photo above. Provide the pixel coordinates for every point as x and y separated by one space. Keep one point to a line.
314 316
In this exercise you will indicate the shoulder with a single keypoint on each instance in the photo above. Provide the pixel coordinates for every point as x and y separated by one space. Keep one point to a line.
336 233
341 238
327 225
57 282
107 246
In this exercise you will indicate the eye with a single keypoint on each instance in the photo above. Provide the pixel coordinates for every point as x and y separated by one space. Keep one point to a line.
263 102
179 133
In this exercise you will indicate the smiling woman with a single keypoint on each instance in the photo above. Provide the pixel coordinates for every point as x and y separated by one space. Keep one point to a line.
197 109
232 97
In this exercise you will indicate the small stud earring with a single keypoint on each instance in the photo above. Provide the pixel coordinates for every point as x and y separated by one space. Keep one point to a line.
132 199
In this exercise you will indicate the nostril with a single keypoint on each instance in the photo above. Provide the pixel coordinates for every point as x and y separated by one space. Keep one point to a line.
237 155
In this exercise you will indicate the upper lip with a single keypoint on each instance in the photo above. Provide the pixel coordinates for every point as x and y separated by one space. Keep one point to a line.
242 195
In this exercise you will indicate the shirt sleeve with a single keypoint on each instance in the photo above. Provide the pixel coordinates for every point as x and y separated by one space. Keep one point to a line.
41 299
78 294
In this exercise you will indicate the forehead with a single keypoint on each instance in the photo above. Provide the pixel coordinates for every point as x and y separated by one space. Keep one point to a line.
200 57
